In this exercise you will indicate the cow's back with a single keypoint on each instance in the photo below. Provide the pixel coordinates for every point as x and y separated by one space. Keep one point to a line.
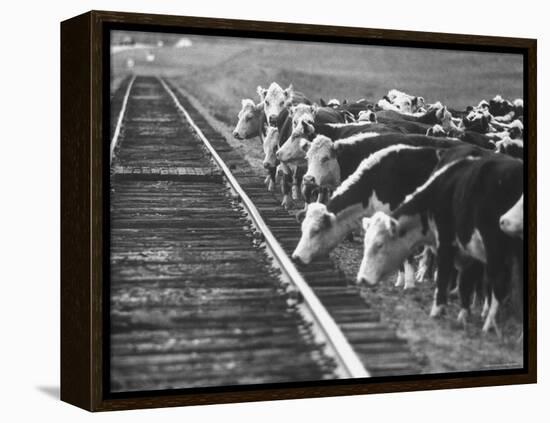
351 154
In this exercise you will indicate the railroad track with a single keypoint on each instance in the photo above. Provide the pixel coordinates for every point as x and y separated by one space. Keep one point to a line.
202 289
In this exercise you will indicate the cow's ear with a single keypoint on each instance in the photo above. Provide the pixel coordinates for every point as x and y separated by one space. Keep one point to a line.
259 107
372 117
420 101
289 91
344 101
430 132
262 92
292 111
304 145
314 108
322 102
365 222
469 109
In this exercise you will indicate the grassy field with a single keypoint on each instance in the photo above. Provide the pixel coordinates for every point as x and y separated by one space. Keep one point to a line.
223 70
219 72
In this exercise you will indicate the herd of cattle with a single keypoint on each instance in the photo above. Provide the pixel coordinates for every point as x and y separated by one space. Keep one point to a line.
413 177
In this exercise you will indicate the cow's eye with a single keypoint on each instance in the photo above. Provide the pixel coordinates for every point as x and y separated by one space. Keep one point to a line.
325 159
281 103
267 103
248 118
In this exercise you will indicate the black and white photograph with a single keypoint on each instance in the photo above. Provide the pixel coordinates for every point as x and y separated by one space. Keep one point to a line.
288 211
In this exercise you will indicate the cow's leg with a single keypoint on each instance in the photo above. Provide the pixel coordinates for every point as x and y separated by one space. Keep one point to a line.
295 191
445 268
409 273
400 276
270 178
298 175
491 319
286 186
485 308
454 282
498 271
425 265
469 276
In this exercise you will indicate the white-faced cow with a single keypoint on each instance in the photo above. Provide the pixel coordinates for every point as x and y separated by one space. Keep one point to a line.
458 211
275 99
401 102
251 121
511 222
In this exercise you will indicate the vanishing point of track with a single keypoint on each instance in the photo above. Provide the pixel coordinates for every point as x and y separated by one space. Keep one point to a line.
203 292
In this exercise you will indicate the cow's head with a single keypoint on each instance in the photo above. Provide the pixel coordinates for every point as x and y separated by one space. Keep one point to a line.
418 104
322 163
270 145
248 125
387 244
302 120
444 117
499 106
320 234
275 99
518 107
367 116
516 130
511 222
483 105
303 114
404 103
436 131
477 120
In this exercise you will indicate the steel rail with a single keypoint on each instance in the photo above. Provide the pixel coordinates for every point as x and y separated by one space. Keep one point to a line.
343 353
114 140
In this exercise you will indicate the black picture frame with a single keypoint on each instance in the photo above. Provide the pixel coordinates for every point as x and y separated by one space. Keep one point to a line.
84 209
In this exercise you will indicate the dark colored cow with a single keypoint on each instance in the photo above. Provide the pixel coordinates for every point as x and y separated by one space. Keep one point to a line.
458 210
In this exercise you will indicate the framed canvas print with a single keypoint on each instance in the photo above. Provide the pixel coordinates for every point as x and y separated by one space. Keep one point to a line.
258 210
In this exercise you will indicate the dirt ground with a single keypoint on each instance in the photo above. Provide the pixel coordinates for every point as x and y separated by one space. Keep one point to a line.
220 72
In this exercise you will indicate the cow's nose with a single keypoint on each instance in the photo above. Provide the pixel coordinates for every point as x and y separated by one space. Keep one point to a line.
296 259
309 180
272 120
361 280
266 165
236 135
